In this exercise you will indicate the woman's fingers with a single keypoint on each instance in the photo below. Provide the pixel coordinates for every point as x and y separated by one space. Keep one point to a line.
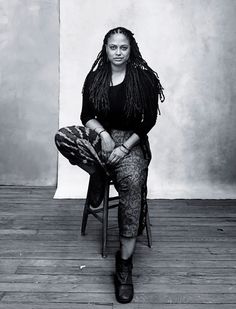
111 158
107 148
114 158
105 155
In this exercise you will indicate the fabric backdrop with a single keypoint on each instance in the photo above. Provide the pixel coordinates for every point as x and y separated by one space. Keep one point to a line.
191 45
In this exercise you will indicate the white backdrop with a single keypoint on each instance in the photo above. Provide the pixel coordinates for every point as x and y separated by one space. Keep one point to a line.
183 41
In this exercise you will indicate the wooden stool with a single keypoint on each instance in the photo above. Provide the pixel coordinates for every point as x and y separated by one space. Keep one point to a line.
104 217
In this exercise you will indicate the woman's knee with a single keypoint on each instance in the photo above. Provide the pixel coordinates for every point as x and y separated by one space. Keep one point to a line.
64 137
58 138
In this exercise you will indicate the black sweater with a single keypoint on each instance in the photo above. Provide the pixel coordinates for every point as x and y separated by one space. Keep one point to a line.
116 117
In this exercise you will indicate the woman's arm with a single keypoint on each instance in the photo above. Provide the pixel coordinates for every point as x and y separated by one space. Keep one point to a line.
95 125
88 120
107 142
131 141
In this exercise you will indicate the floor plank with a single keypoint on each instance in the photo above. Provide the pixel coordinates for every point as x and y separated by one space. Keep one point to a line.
46 263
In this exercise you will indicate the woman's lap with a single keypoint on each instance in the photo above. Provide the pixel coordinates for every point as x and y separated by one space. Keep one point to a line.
82 147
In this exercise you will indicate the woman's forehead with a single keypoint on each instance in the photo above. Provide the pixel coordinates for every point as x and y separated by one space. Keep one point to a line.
118 38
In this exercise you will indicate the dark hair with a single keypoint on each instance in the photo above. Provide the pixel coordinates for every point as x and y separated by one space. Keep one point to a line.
138 77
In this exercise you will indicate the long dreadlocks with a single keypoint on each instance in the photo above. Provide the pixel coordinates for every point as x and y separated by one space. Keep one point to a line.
139 76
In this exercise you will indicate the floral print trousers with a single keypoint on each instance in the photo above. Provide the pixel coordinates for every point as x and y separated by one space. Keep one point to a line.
82 147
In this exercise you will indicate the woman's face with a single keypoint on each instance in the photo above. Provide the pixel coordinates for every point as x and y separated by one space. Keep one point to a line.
118 49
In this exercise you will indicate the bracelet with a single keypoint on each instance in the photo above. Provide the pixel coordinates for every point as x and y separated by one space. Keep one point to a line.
126 147
101 132
97 129
125 152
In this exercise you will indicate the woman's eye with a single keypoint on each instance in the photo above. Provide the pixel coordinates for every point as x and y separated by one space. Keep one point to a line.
113 47
124 48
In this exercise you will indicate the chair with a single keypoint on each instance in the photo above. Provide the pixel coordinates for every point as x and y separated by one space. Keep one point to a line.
103 218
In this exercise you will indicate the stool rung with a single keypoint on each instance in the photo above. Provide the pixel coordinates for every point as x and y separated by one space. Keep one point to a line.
112 226
97 217
100 209
114 198
113 206
94 212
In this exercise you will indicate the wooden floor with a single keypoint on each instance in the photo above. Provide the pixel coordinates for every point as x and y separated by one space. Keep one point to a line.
45 263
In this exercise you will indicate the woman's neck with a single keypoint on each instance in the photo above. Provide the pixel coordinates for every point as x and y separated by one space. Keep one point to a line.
118 69
117 74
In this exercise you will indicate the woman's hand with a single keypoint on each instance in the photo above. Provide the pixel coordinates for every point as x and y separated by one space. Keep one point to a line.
116 155
107 144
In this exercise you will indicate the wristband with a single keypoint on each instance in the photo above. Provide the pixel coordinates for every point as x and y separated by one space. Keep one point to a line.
101 132
97 129
125 152
126 147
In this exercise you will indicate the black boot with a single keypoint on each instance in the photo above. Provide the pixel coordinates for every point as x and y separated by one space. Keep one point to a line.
123 280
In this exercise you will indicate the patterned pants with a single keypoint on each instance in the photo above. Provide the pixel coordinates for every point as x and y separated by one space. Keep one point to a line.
82 147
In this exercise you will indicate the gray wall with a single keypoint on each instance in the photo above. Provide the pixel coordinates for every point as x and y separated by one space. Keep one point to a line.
29 86
191 43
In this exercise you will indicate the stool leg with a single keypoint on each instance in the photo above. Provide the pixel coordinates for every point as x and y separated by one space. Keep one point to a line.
148 230
105 220
85 218
86 211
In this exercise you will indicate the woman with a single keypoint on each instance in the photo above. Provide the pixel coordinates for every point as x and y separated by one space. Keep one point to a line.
120 106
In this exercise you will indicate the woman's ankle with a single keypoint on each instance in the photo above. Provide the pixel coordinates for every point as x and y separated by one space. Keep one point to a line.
127 246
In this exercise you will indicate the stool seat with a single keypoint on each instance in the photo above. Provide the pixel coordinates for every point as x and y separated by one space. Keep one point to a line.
103 217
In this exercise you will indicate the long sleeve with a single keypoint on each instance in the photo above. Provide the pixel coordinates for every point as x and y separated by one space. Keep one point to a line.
151 106
88 111
148 122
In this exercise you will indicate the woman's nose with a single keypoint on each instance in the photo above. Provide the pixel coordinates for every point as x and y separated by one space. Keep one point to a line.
118 51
